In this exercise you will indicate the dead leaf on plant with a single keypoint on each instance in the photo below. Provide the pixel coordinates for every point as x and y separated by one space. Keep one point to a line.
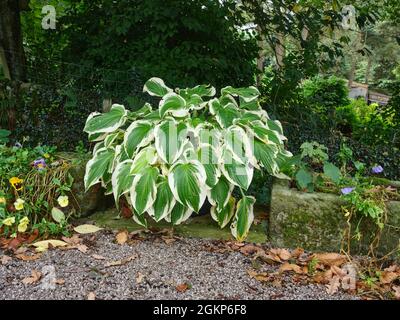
122 237
5 259
36 275
91 296
290 267
120 262
330 259
182 287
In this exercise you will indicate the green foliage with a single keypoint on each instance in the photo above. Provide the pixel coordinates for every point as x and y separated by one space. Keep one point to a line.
4 134
167 161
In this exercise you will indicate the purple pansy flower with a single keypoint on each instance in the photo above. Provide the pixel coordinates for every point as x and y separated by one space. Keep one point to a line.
40 164
347 190
377 169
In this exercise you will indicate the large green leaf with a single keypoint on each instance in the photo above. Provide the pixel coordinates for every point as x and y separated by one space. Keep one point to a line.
139 133
156 87
143 191
147 156
174 104
266 154
238 173
332 172
208 157
96 167
304 178
247 94
225 214
122 179
225 115
180 213
244 217
219 195
106 122
201 90
164 202
170 137
187 183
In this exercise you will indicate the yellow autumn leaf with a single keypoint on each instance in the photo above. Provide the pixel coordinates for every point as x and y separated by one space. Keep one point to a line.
87 228
44 245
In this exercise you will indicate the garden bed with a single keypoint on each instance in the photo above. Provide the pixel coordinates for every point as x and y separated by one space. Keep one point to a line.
315 221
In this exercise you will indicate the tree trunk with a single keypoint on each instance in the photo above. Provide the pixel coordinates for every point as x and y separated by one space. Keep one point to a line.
368 71
280 50
261 55
11 39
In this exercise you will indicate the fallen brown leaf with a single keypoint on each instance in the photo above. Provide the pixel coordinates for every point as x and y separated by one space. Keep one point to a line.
36 275
182 287
262 277
388 276
330 259
5 259
122 237
139 277
59 281
168 240
120 262
75 239
290 267
281 253
91 296
270 259
333 285
98 257
297 252
25 257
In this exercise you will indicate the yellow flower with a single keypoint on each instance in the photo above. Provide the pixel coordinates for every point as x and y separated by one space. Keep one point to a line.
16 183
19 204
46 155
63 201
9 221
23 224
2 200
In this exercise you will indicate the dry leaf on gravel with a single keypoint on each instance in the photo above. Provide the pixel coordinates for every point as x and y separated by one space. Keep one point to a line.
262 277
98 257
330 259
388 276
122 237
281 253
270 259
139 277
120 262
182 287
36 275
290 267
250 249
59 281
25 257
91 296
333 285
75 239
5 259
87 228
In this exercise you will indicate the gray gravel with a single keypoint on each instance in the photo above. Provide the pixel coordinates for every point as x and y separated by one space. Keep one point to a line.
210 275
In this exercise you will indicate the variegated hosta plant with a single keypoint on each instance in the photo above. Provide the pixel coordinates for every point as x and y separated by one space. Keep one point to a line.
167 160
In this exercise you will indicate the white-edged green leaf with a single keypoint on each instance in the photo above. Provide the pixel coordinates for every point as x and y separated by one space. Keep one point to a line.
156 87
106 122
170 138
109 140
200 90
139 134
249 105
139 219
96 167
240 174
244 217
275 125
247 94
266 154
96 137
225 214
225 115
143 190
147 156
187 183
208 157
219 195
122 179
164 202
174 104
180 213
237 140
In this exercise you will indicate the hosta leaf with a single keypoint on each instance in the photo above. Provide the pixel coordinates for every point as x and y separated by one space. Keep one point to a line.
139 219
249 105
156 87
187 183
219 195
225 214
247 94
138 134
244 217
174 104
109 140
106 122
266 154
240 174
225 115
170 137
122 179
275 125
237 141
143 191
180 213
201 90
164 202
209 159
96 167
147 156
96 137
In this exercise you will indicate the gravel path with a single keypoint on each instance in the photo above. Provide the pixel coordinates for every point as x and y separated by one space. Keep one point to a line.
155 273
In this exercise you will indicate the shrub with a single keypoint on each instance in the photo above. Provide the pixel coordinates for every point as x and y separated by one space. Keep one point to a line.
167 161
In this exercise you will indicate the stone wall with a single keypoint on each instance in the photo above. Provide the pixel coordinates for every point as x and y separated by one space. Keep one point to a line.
315 221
